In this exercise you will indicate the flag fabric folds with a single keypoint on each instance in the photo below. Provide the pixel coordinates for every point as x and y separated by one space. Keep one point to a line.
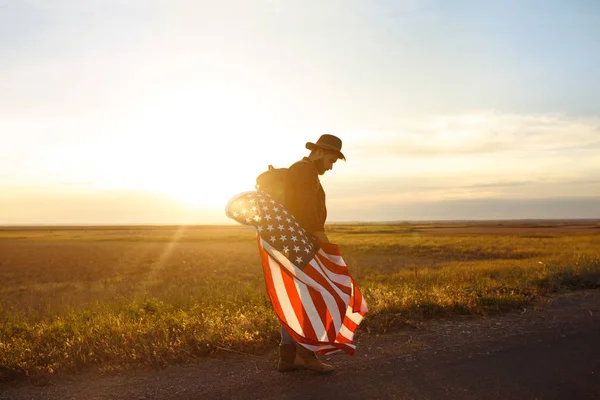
308 283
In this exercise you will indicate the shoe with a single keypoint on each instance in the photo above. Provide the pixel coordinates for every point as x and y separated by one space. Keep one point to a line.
287 355
308 359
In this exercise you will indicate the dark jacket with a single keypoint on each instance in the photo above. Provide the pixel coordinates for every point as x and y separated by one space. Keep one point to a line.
305 197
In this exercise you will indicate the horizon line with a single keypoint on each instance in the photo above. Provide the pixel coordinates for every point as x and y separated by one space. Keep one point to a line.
366 222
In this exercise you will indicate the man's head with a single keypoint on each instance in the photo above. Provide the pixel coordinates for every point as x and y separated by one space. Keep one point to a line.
325 152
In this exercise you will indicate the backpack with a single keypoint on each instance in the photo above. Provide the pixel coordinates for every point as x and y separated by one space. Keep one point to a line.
273 181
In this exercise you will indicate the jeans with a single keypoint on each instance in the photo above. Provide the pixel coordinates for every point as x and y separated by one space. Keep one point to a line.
285 337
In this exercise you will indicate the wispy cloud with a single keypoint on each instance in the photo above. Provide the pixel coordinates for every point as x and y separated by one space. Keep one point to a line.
482 133
473 209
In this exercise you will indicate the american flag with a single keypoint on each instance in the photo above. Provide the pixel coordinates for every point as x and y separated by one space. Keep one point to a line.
308 283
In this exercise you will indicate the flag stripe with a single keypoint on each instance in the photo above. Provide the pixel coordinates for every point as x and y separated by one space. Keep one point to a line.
286 305
319 282
331 295
345 335
316 308
331 268
350 323
335 267
269 284
314 269
324 314
313 315
343 283
300 310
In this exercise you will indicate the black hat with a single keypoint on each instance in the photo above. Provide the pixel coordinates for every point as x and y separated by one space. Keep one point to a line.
329 143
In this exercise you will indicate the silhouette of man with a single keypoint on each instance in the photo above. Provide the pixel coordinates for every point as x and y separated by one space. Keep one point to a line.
305 200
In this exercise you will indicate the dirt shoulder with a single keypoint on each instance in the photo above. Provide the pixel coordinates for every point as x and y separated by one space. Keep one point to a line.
548 350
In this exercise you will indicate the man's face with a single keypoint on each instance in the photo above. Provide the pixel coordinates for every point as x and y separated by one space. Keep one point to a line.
325 162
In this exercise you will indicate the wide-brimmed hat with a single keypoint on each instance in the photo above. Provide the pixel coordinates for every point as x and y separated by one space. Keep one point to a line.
329 143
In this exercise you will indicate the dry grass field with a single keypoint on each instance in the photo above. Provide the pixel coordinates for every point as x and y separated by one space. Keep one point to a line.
120 297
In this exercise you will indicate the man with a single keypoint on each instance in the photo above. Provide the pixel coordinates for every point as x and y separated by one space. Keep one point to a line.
319 304
305 200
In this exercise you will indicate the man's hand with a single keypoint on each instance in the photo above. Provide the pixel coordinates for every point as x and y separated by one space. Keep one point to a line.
321 237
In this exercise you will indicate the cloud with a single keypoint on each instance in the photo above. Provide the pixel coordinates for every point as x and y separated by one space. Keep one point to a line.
441 160
482 133
388 190
475 209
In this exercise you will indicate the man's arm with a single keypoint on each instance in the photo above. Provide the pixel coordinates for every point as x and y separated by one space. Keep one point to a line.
321 237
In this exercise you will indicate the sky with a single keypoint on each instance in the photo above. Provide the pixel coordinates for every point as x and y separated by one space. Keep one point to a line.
152 112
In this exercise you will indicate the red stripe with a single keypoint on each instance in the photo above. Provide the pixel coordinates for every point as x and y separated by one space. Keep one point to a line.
323 311
331 248
343 339
318 277
344 289
351 325
292 292
324 263
269 283
357 300
333 267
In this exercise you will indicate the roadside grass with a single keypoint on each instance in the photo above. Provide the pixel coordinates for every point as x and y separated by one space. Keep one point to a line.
128 297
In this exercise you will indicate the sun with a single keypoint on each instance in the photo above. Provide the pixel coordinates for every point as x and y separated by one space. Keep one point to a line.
208 187
198 147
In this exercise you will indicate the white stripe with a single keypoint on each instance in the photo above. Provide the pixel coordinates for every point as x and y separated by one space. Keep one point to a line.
316 264
336 259
342 279
327 297
354 317
284 300
347 333
311 310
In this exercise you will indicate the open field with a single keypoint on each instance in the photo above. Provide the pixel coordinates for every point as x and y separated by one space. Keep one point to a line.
121 297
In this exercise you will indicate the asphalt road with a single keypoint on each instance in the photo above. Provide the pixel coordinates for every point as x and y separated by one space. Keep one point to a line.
550 351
